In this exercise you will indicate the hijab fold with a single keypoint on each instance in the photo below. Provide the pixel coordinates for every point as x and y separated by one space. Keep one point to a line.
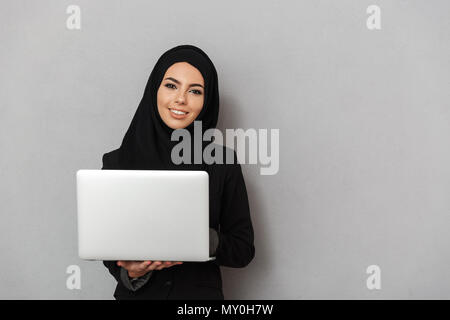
147 143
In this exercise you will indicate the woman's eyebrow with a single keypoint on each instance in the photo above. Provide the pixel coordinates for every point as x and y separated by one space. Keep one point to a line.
178 82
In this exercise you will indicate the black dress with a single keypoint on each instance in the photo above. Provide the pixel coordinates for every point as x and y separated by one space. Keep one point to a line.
229 215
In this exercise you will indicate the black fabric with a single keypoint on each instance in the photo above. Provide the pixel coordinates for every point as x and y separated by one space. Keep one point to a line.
147 145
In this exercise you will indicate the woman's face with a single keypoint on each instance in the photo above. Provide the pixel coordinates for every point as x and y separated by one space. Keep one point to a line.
180 95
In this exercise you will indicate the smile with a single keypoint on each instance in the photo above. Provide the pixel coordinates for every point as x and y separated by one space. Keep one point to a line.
178 114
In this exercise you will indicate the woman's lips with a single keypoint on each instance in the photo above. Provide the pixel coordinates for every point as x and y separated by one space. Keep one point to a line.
178 115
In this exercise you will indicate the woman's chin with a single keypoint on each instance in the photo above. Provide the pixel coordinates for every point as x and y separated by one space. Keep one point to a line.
177 124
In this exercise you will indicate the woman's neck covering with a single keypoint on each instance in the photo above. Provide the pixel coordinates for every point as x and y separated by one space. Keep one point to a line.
147 143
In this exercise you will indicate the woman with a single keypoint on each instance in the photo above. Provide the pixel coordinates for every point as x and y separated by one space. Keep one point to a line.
183 87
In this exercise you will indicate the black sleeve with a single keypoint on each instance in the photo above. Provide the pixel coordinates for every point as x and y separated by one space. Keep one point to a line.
236 248
134 284
213 242
112 266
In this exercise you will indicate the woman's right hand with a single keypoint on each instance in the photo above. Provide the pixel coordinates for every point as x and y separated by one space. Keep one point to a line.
139 268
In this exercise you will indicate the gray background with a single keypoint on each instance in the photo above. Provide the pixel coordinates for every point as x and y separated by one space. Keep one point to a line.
364 127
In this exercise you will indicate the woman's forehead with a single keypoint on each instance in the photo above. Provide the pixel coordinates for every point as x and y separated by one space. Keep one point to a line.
184 70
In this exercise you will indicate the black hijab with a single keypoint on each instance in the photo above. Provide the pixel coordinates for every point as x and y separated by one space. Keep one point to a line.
147 143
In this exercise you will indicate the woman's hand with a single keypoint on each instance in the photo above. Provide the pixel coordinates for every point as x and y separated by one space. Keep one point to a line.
139 268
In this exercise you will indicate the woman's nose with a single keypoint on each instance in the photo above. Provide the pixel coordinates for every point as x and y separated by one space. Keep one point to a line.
181 98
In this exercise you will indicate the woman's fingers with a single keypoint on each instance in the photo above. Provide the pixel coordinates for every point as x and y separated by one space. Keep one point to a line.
143 265
169 264
166 264
162 265
154 265
135 266
159 265
147 265
123 264
148 268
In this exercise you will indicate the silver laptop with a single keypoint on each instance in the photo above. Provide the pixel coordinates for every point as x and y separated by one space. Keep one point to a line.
156 215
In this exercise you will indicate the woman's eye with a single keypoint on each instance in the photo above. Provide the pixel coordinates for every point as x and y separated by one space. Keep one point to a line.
171 86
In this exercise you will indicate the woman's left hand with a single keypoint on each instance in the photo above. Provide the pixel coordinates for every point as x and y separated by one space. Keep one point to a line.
140 268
